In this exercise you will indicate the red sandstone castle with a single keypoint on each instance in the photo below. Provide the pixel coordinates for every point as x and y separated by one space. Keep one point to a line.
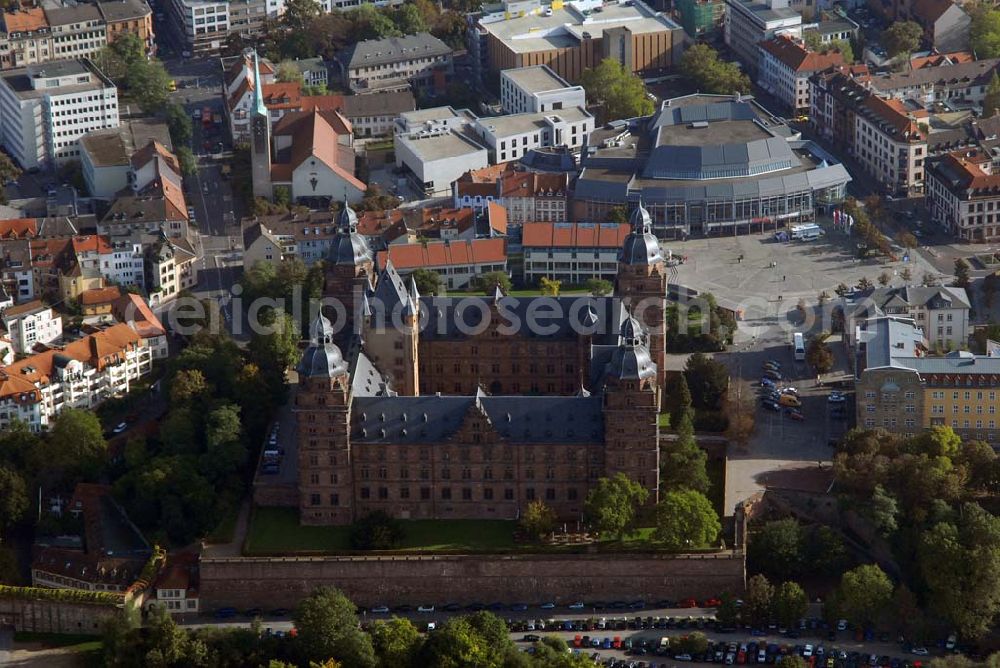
471 407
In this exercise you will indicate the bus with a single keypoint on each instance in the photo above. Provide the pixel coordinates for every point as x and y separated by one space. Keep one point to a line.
800 347
807 232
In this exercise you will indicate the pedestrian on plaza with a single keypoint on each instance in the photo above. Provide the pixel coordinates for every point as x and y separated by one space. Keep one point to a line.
783 277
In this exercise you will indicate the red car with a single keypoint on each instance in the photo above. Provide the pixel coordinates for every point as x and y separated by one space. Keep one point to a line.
688 603
711 603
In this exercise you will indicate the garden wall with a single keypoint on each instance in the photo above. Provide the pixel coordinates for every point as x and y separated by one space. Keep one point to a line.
41 616
245 582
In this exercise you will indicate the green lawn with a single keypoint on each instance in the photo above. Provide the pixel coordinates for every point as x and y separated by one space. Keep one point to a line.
664 420
223 532
277 530
78 644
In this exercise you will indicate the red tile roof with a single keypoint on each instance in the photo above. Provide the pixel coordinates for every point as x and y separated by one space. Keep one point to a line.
971 174
133 310
574 235
407 257
97 296
91 243
18 228
26 307
314 134
941 60
798 58
894 114
25 20
497 215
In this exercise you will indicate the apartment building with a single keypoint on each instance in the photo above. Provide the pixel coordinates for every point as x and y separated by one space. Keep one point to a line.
572 252
944 79
171 266
418 62
785 67
750 22
25 37
537 89
457 262
963 195
881 134
202 24
30 324
46 108
527 196
511 137
129 16
81 374
903 389
106 156
78 31
942 312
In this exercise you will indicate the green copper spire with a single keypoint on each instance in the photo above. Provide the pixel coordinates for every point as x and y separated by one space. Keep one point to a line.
258 88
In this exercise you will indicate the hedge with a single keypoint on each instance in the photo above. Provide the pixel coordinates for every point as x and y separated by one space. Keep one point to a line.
61 595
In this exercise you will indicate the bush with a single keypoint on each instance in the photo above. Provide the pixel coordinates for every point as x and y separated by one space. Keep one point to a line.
376 531
64 595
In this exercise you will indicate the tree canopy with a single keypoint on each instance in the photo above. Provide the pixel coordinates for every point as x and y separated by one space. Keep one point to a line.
327 624
612 505
902 37
984 33
620 93
707 380
864 593
685 519
701 66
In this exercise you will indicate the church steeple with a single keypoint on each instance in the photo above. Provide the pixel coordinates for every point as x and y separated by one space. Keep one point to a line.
258 88
260 137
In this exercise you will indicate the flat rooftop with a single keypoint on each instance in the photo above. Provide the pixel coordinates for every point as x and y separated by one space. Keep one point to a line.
765 13
19 79
432 114
717 132
440 146
517 124
567 26
537 79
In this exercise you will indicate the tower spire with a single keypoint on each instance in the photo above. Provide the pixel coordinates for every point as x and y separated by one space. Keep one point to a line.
258 87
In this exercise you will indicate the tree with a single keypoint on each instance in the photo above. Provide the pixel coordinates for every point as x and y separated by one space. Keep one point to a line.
189 164
864 593
683 462
186 386
841 289
884 278
984 33
148 84
13 497
618 215
490 280
598 286
793 661
822 298
962 277
707 379
902 37
75 447
612 504
179 125
9 172
758 601
300 14
377 530
395 642
790 603
277 349
538 519
960 564
620 93
776 548
883 511
991 101
288 72
480 639
701 66
549 287
327 624
686 520
428 282
908 241
409 20
906 274
818 353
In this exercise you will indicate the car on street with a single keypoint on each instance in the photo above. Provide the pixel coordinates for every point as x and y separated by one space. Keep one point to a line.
576 606
767 382
919 651
837 397
772 374
518 607
795 415
224 613
122 426
547 606
380 609
770 405
531 637
789 390
425 608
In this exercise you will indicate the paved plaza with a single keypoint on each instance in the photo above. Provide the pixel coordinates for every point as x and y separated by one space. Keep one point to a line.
781 449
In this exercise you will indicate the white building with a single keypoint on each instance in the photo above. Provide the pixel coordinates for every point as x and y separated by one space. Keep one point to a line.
537 89
785 67
750 22
572 252
45 109
78 31
963 196
31 323
510 137
106 155
203 25
82 374
942 312
419 61
435 149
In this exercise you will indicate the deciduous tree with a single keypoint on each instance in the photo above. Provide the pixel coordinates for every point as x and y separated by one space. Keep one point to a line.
396 642
549 286
864 593
984 33
685 519
538 519
776 548
707 380
759 601
620 93
612 505
13 497
598 286
790 603
701 66
428 282
327 624
902 37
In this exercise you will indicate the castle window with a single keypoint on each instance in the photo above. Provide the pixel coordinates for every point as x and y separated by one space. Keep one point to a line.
365 493
383 473
488 473
383 493
446 493
314 478
529 474
425 474
446 473
488 494
529 494
508 494
365 473
425 493
313 460
335 499
508 473
333 478
404 472
404 492
550 473
571 494
466 473
467 494
550 494
314 499
398 345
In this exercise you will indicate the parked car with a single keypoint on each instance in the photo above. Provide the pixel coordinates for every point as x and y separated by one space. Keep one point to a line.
426 607
770 405
380 610
795 414
122 426
772 374
837 397
919 651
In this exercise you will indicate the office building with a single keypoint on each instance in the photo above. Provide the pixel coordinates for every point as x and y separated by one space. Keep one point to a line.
418 62
537 89
750 22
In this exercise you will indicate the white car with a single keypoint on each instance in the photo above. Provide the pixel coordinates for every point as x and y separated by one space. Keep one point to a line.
842 625
790 390
122 426
919 651
425 608
807 651
380 609
576 606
